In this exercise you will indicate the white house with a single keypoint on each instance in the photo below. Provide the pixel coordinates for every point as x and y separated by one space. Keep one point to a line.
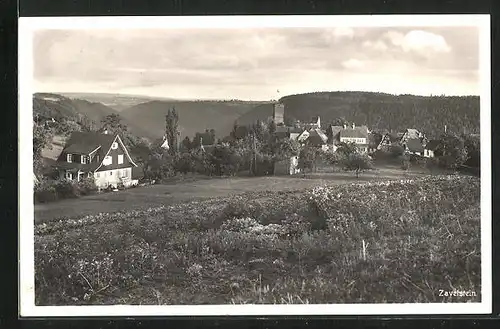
101 156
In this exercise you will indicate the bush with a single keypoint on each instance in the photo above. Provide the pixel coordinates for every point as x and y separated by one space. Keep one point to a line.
66 189
53 190
45 192
87 186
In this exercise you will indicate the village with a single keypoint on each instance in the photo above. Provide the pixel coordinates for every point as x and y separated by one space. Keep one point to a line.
104 156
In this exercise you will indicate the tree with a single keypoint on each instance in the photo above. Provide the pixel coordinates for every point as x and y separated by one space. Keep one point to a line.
340 122
472 148
172 130
307 158
42 138
286 148
186 144
357 162
347 148
405 162
396 150
453 150
112 123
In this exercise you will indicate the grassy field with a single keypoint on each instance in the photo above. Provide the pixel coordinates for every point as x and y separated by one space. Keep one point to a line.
199 189
361 242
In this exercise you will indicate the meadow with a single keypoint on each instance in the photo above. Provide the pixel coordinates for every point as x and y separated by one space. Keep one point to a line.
371 241
197 187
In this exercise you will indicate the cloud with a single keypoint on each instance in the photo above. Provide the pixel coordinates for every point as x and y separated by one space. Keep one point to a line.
352 63
419 41
378 45
252 63
343 32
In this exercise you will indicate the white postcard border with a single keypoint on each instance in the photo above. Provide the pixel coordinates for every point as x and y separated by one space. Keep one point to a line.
27 26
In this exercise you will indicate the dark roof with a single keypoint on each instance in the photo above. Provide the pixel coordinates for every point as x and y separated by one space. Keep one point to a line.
414 145
74 166
374 139
86 142
353 133
316 137
432 144
296 130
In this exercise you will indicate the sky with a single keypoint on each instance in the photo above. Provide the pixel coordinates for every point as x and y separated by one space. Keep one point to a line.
254 64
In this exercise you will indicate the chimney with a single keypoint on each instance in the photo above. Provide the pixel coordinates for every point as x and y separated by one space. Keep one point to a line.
345 126
105 132
445 129
353 125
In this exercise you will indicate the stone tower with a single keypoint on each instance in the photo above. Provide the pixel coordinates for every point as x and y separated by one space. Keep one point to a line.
279 113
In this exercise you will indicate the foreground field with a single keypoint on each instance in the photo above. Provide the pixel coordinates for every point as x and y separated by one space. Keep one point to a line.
199 189
369 242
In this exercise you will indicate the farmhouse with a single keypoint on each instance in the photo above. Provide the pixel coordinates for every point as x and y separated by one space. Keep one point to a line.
356 135
317 138
102 156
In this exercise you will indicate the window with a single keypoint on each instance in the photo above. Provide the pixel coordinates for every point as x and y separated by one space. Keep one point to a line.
69 175
84 159
97 175
69 157
120 158
111 173
114 146
124 173
107 160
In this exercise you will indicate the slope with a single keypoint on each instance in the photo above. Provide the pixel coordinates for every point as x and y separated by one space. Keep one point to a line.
382 111
194 116
60 107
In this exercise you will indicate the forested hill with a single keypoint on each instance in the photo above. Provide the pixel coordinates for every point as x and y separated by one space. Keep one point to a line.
385 111
81 112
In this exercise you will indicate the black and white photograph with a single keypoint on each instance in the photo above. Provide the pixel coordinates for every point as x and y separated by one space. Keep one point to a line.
268 165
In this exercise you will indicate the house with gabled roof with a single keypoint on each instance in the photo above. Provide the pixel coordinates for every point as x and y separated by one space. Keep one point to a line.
356 135
317 138
414 146
101 156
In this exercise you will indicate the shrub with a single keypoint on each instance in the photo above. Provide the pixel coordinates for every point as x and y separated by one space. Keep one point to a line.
66 189
45 191
87 186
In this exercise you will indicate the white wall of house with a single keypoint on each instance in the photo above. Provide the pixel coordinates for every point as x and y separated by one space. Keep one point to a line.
113 177
353 140
428 153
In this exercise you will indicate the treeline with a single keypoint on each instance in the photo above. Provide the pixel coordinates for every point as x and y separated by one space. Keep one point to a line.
381 111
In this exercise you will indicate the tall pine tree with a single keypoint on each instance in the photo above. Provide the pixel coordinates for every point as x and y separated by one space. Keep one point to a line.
172 130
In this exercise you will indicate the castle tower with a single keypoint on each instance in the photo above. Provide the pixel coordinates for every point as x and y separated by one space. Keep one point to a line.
279 113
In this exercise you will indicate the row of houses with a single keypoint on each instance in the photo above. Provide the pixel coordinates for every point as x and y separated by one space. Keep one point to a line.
413 141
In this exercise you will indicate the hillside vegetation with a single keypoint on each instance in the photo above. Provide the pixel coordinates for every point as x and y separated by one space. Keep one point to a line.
378 242
81 112
194 116
146 117
385 111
